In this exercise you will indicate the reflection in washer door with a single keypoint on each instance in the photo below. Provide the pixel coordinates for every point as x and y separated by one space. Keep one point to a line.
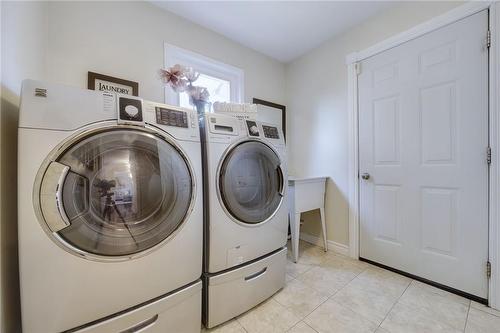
251 182
126 192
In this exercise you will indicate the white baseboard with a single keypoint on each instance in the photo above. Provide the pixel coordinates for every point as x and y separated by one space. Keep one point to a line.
332 246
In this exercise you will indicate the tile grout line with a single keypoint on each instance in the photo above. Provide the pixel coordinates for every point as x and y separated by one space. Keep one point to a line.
467 317
243 327
310 326
345 286
311 267
392 307
330 297
288 330
301 321
337 291
484 311
348 283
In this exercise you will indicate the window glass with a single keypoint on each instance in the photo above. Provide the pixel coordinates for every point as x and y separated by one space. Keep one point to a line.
219 89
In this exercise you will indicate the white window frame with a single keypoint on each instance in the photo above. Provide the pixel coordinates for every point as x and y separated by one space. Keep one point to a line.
176 55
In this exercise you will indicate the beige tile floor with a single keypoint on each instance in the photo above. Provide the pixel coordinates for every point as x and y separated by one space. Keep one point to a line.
327 292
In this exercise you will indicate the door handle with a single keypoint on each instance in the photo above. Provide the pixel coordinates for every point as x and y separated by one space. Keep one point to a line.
365 176
256 275
281 180
142 325
51 200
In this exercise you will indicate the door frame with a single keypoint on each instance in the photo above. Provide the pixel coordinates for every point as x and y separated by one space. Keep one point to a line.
353 67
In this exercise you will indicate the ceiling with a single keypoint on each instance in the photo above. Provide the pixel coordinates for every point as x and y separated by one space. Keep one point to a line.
283 30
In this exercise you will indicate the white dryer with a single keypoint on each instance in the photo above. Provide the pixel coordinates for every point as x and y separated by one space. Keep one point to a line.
246 229
110 213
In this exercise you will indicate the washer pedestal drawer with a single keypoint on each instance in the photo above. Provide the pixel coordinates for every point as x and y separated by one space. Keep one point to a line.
229 294
178 312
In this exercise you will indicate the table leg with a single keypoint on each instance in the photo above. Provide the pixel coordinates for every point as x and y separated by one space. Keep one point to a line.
323 227
295 231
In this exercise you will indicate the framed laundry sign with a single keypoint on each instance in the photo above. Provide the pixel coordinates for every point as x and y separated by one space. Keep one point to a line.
103 82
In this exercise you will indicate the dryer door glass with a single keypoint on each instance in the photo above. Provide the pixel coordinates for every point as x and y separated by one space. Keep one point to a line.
126 191
251 182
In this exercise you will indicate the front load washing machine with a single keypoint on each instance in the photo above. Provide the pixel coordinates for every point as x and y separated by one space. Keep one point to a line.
246 229
110 213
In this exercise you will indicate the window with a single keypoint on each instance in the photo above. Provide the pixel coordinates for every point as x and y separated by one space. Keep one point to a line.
224 82
219 89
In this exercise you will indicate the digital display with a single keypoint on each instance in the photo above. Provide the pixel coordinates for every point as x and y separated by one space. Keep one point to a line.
171 117
270 132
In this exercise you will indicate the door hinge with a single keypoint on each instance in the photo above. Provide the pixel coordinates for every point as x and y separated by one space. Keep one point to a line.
488 39
357 67
488 155
488 269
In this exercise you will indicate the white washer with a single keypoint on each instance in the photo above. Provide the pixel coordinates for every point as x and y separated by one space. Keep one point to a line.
110 213
246 233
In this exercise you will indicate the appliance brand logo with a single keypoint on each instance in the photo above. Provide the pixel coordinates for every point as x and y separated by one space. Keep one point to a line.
40 92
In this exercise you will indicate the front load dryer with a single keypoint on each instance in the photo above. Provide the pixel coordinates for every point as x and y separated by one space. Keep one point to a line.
110 213
246 229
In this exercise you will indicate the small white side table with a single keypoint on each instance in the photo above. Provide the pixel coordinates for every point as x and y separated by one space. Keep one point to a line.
305 194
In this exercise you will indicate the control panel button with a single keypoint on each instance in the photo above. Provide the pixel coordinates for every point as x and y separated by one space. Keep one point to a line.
253 130
130 110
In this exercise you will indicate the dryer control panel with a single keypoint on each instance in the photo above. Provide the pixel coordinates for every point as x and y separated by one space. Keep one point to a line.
270 132
171 117
181 123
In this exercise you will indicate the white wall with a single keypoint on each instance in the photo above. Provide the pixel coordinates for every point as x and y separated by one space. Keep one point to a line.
126 40
21 56
316 98
61 42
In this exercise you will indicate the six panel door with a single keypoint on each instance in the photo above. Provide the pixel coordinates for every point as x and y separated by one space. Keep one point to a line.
423 138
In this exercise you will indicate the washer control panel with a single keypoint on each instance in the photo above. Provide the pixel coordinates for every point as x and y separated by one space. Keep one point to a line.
253 130
170 117
270 132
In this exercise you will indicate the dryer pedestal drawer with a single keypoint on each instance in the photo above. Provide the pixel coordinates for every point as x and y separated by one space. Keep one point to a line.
178 312
233 292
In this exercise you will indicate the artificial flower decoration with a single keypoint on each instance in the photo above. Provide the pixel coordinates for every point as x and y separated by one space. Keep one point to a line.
181 78
191 74
174 76
198 93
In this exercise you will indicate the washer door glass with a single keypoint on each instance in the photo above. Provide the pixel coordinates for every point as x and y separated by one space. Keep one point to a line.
251 182
126 191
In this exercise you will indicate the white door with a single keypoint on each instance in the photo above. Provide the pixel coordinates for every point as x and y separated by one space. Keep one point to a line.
423 138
